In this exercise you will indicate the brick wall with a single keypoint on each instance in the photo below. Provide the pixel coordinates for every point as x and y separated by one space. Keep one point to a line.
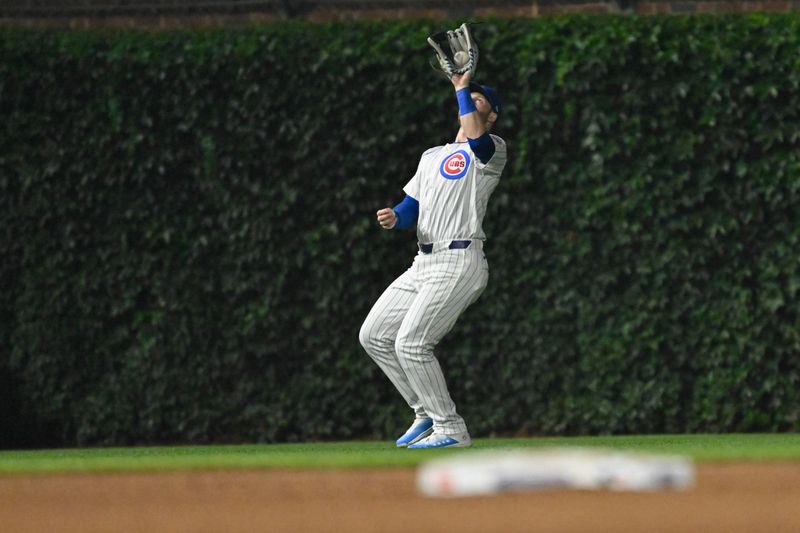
162 14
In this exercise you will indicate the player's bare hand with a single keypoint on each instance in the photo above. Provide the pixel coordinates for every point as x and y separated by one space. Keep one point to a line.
386 218
461 81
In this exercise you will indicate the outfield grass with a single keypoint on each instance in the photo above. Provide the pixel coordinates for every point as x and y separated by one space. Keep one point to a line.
704 448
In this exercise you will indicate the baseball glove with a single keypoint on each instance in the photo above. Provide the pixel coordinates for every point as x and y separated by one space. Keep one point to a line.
456 51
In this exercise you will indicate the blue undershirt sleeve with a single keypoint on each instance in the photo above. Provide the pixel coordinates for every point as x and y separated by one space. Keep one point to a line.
483 147
407 213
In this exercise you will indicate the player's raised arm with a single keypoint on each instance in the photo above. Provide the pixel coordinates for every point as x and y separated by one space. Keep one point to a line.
473 125
478 109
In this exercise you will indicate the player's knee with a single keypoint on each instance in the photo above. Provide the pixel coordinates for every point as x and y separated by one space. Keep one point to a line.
369 337
365 336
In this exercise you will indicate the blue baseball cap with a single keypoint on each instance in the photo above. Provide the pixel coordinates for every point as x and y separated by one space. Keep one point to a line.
490 94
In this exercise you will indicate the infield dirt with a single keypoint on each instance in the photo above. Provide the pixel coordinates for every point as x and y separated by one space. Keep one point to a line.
750 497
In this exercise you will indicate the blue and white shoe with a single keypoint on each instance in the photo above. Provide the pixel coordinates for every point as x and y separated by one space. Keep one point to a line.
421 428
438 440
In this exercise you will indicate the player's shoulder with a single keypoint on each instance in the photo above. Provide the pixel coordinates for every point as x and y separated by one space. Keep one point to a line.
432 151
499 143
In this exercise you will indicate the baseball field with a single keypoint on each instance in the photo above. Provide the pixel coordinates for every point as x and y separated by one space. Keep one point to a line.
744 482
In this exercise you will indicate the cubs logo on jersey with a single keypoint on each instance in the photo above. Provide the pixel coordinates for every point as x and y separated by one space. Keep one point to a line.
455 166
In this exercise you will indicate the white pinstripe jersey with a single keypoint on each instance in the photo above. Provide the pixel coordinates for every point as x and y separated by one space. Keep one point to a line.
453 188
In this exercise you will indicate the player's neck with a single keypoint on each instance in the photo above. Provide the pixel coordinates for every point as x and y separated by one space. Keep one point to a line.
461 137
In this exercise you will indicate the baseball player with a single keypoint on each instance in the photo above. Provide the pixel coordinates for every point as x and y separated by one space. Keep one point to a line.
447 199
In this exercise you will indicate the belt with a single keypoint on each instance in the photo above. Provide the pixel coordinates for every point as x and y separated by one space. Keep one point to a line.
454 245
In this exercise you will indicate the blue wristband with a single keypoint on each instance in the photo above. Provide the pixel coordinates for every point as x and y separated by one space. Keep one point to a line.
465 103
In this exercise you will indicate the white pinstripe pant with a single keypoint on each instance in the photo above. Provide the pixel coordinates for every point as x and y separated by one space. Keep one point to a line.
412 316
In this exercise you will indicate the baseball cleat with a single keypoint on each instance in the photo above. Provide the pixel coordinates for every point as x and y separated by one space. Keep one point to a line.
421 428
438 440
